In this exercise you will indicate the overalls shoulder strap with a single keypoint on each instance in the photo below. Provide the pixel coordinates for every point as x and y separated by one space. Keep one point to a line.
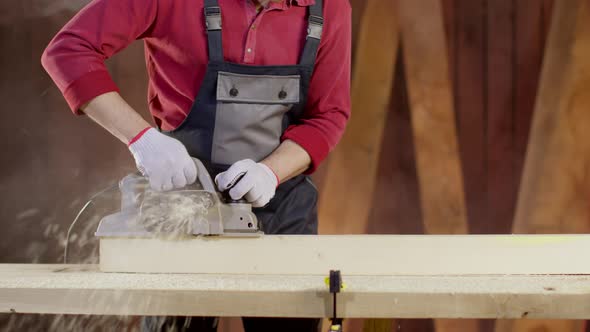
315 27
310 50
213 23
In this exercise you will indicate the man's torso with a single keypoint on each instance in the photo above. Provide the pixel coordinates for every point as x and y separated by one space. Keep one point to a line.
176 47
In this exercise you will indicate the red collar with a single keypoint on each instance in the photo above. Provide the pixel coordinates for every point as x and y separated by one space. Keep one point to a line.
302 3
288 3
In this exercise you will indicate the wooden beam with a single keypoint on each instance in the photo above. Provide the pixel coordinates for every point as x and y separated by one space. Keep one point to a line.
350 178
433 121
556 180
433 117
555 186
500 115
352 254
470 53
81 289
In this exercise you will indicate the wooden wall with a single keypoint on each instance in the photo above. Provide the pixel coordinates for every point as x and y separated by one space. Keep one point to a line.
495 51
52 161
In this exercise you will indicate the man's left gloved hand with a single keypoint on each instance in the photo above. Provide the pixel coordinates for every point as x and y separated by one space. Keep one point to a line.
257 185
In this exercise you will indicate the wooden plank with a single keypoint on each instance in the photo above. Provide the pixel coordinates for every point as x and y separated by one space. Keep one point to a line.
530 34
433 123
449 13
450 20
353 254
530 45
556 180
469 74
81 289
545 325
346 198
554 189
378 325
500 115
433 119
396 200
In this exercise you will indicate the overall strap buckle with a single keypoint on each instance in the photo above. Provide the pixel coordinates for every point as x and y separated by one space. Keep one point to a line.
315 26
213 18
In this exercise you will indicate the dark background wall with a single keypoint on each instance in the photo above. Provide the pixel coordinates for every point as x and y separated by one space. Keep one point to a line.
52 161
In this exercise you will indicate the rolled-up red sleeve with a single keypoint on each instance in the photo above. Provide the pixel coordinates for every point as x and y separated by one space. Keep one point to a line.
75 57
328 104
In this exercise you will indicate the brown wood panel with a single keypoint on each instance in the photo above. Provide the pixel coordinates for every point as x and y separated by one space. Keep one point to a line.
469 89
379 325
396 200
530 35
500 115
433 122
353 164
442 199
449 13
556 178
557 171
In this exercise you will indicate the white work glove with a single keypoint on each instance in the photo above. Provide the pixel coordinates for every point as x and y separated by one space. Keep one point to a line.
257 185
163 160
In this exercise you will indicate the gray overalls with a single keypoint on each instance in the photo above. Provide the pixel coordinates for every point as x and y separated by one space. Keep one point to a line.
240 112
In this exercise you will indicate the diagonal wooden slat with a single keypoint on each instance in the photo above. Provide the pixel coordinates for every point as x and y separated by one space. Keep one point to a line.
349 183
349 179
396 200
556 181
433 124
433 119
500 135
555 187
469 80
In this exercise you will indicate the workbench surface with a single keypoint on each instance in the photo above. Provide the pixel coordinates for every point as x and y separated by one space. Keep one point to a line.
82 289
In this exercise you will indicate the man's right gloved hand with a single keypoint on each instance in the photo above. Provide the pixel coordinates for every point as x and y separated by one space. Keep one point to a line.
163 160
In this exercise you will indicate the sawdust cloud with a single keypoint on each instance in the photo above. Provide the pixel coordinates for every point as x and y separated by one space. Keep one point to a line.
172 214
83 249
169 215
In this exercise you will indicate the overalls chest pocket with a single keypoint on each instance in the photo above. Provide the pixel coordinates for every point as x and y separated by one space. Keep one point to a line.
249 115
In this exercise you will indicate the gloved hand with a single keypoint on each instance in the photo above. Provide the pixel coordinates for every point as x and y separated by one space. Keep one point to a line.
163 160
257 186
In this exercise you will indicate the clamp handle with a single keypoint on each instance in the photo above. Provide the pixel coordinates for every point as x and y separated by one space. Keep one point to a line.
335 285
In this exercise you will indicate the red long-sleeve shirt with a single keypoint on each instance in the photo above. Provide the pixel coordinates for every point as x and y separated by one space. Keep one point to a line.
175 42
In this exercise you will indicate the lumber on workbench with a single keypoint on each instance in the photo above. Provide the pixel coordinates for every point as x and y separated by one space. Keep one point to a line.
353 164
82 289
352 254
